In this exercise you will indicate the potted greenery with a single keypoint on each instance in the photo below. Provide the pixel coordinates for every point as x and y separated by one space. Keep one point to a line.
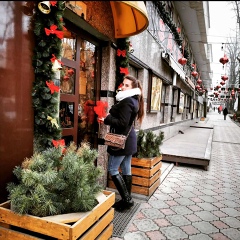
146 164
148 144
60 181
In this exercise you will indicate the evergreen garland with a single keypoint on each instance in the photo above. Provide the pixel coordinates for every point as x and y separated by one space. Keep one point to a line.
44 102
161 9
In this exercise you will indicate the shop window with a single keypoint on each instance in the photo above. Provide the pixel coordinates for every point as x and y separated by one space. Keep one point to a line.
181 98
79 85
133 71
69 45
66 113
67 80
163 103
154 94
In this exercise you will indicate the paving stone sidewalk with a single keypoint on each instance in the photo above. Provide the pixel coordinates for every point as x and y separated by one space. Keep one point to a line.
192 203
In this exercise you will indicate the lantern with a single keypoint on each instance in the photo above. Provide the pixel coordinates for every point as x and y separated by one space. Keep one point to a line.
224 78
194 74
182 61
222 83
199 81
232 92
224 59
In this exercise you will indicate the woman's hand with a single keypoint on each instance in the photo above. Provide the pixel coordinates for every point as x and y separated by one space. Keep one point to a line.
100 120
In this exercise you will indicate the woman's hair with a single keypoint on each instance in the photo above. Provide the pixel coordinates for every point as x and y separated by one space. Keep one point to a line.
137 84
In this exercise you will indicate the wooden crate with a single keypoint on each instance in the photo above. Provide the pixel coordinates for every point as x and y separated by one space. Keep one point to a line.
94 224
146 174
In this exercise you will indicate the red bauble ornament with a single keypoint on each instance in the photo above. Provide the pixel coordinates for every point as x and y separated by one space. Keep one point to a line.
224 78
194 74
182 61
224 59
222 83
199 81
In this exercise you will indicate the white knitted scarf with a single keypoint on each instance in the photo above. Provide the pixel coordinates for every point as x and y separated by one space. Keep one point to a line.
127 93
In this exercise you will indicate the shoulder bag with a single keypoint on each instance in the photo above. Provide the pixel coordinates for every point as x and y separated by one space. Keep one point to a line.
117 141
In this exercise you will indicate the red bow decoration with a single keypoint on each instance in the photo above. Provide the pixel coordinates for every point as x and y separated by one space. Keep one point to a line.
54 58
101 109
121 52
53 3
52 87
57 143
124 70
53 30
120 86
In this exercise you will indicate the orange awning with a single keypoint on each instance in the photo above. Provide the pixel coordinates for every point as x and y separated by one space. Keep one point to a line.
130 18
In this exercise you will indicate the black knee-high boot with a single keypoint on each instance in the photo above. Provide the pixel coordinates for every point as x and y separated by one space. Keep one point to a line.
126 201
128 181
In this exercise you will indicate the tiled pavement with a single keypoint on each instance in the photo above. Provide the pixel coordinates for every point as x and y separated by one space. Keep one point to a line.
192 203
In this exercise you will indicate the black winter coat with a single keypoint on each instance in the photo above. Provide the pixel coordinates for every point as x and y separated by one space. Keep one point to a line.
120 118
225 111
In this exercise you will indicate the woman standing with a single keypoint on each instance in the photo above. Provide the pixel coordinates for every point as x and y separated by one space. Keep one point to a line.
121 116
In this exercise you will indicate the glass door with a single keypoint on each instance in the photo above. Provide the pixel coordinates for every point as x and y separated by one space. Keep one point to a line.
79 86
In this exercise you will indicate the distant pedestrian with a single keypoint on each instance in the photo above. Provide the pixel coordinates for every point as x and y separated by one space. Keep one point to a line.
225 113
220 109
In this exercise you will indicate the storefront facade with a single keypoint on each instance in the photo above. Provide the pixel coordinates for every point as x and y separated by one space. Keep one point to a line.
88 74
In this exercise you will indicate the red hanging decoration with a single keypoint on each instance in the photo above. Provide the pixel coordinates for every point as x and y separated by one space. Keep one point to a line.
66 78
70 71
182 60
224 59
224 78
222 83
194 73
199 81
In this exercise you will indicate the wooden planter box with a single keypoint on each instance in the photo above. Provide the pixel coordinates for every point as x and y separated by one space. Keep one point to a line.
146 174
94 224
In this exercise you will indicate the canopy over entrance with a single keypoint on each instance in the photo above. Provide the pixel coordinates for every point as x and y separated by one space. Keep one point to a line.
130 18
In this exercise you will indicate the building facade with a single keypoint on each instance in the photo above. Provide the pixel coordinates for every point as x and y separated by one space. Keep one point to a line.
90 46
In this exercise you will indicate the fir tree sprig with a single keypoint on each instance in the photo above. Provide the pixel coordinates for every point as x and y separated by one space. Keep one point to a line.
52 183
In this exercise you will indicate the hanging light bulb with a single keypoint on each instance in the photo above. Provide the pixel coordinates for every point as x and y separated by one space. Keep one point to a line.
44 7
56 65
